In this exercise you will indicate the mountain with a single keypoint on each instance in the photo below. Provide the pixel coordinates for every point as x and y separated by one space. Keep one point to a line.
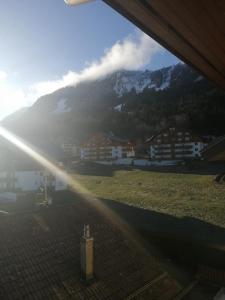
17 115
129 103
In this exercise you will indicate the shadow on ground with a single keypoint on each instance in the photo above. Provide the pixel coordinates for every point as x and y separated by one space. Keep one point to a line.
186 239
92 168
96 169
194 167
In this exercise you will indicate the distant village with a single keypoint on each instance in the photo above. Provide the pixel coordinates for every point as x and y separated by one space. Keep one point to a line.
171 146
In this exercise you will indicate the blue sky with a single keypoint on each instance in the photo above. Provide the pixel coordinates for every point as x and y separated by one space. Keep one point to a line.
45 42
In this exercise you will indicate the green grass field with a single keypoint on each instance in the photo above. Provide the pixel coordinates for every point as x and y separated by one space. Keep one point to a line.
180 195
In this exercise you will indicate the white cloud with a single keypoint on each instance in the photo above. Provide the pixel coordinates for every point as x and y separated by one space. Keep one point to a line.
10 100
3 75
133 53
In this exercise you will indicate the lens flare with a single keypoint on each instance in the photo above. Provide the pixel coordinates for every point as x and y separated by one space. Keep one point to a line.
108 213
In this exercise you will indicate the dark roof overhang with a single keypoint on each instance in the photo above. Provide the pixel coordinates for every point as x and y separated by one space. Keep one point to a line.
192 30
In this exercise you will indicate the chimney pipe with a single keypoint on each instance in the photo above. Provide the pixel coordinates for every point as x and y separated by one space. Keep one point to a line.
87 254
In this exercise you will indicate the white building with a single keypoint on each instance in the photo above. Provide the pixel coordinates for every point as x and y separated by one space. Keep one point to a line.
71 150
175 144
102 147
30 181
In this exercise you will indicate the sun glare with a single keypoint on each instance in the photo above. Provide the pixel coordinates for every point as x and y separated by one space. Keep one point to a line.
74 185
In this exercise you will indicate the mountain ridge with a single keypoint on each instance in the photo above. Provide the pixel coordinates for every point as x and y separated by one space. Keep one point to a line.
125 102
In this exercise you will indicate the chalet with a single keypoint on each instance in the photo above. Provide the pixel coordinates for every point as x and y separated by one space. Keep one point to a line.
101 147
175 144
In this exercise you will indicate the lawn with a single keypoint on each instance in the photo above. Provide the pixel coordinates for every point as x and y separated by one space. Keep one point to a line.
175 194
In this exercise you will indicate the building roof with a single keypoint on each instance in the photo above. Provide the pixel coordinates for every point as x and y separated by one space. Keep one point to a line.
172 130
150 139
215 150
40 258
20 165
103 139
193 30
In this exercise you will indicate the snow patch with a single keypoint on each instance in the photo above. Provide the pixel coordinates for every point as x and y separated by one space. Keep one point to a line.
125 82
152 86
138 81
62 107
166 80
118 107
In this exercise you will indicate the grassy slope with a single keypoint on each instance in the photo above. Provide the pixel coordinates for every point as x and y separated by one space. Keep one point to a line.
176 194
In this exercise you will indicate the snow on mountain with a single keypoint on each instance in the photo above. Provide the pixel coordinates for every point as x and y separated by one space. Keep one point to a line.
140 80
166 79
108 92
126 81
62 107
124 102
